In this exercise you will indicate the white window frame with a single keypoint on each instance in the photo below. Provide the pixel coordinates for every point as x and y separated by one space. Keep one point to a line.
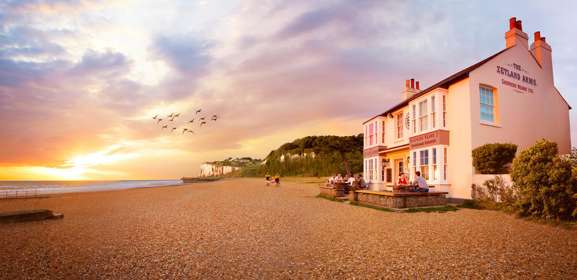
399 126
423 115
484 102
444 104
433 112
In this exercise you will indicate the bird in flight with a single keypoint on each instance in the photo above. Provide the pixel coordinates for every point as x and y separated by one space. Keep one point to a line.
214 117
190 131
177 115
173 129
184 130
170 116
202 119
164 126
154 118
191 121
198 111
158 120
202 123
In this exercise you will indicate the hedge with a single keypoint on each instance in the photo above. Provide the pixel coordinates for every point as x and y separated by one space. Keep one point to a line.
493 158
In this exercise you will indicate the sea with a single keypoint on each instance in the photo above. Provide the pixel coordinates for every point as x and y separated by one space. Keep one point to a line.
31 188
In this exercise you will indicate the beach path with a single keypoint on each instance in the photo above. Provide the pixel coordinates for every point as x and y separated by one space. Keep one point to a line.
239 228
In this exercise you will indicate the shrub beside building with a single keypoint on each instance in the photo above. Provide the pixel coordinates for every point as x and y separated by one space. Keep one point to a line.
544 183
494 158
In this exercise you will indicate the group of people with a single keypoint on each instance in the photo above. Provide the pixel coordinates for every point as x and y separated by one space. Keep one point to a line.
418 185
357 183
272 180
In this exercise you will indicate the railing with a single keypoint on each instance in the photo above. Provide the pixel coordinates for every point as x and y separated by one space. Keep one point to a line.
10 194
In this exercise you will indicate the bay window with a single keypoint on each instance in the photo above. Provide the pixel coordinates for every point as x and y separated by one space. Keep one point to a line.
435 166
424 163
445 163
370 171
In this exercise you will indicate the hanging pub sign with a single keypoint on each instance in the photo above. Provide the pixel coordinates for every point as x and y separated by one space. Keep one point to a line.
522 81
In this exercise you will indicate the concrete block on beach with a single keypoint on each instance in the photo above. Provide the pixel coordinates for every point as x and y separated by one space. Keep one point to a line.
29 215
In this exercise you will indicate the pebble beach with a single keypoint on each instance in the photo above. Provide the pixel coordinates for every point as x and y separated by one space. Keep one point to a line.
242 229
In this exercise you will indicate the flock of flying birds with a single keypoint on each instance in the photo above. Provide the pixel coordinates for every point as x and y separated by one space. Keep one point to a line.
169 123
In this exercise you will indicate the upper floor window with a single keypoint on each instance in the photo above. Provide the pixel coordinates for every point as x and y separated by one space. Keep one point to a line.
444 111
487 105
423 116
383 133
399 125
371 133
433 119
414 119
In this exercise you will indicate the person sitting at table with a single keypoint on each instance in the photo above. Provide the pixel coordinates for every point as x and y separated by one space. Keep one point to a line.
403 180
361 182
339 178
421 183
351 180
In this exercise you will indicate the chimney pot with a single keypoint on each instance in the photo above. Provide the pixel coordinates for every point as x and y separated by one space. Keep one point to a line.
412 83
519 25
537 36
512 22
407 84
417 84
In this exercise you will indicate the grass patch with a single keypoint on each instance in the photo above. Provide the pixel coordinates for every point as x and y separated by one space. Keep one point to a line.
320 195
355 203
470 204
438 209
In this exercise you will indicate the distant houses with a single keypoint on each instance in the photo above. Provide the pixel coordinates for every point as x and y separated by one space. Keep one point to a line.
224 167
212 169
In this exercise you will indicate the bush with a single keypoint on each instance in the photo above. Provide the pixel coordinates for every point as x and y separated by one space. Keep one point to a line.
546 184
494 194
493 158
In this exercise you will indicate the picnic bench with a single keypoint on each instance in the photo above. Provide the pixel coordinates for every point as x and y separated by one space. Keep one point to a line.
400 199
335 190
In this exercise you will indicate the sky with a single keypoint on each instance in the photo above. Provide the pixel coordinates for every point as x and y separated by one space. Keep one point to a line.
81 80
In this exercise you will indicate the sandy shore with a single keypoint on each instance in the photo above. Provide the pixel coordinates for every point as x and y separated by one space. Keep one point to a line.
241 229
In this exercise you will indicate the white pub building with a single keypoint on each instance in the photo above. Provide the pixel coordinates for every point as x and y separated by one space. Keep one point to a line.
509 97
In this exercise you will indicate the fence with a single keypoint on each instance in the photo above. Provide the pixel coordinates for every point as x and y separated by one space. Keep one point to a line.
27 193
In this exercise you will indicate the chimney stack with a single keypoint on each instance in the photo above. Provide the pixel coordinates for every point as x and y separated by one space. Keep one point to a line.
542 52
515 35
411 88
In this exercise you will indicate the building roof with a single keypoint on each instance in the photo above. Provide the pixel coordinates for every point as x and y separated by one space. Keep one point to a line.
442 84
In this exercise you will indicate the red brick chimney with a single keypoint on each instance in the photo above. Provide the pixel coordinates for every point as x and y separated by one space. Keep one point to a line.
515 35
542 52
412 87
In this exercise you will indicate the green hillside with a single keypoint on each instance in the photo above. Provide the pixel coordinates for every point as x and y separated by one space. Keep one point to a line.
312 156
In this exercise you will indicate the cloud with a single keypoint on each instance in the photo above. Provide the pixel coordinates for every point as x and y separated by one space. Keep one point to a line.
108 65
186 54
272 71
